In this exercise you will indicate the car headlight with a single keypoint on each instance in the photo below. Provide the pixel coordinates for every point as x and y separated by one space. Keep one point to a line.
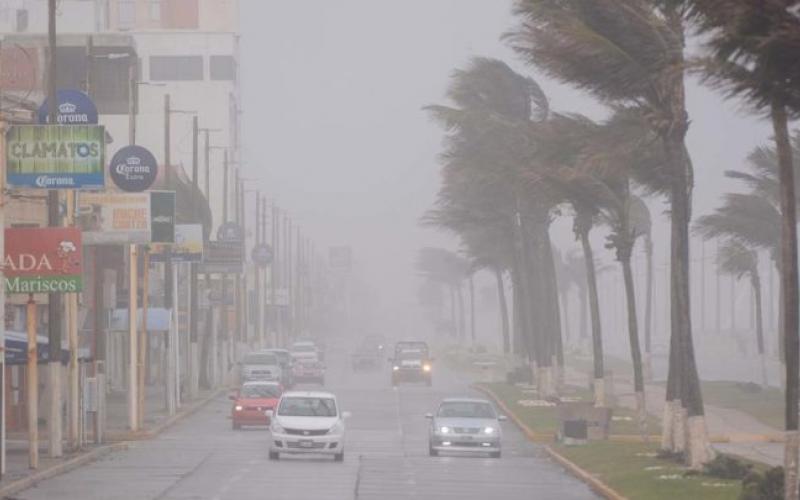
395 368
426 368
276 428
238 408
337 428
444 430
489 430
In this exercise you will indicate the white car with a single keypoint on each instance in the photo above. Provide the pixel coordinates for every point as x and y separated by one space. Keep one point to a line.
307 423
465 425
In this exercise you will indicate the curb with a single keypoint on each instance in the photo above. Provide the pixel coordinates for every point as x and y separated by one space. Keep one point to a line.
60 468
595 484
165 424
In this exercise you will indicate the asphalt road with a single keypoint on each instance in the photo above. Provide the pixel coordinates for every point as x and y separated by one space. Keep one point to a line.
386 457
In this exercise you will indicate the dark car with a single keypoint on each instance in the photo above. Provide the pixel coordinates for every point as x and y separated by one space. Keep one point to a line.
411 366
285 361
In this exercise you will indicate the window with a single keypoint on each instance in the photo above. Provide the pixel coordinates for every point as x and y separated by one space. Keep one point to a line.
155 10
126 14
222 68
176 68
22 20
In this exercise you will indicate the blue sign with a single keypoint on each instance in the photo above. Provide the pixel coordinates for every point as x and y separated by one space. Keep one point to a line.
230 231
74 108
133 169
262 255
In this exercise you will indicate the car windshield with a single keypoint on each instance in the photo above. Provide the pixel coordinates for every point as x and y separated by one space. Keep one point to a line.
303 348
466 409
260 359
260 391
307 407
283 356
410 356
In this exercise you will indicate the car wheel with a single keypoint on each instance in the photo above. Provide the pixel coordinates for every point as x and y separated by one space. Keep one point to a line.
274 455
495 454
432 452
339 457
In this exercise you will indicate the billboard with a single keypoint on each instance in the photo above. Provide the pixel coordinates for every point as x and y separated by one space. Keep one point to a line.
43 260
340 257
188 245
114 218
56 157
223 257
74 108
162 210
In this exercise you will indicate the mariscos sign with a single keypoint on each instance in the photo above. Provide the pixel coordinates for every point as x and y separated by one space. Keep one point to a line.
43 260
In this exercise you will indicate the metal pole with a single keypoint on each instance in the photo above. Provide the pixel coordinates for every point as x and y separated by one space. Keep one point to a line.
273 277
193 354
223 306
2 301
32 386
143 339
259 332
133 358
54 309
72 337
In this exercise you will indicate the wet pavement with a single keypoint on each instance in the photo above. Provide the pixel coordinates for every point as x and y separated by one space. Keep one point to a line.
386 456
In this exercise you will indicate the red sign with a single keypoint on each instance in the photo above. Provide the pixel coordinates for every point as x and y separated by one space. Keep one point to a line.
18 68
43 260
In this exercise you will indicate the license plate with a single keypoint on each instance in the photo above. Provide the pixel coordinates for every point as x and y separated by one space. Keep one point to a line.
306 444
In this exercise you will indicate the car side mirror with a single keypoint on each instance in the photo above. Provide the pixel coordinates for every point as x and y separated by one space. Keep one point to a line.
502 418
429 416
269 413
346 415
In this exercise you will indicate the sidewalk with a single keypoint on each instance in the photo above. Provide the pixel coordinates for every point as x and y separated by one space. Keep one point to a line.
19 477
732 431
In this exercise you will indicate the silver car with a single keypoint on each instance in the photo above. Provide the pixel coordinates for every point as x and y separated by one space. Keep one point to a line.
467 425
262 366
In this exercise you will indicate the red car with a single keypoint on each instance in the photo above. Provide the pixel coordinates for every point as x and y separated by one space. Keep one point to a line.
251 403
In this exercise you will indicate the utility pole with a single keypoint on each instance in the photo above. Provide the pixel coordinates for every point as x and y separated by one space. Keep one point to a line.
133 306
194 361
54 308
224 295
257 285
240 328
169 284
2 299
263 316
274 276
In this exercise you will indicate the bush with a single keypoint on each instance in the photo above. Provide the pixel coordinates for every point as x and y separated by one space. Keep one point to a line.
766 486
725 467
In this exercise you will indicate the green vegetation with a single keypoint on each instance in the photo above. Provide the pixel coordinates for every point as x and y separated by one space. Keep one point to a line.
635 471
766 405
543 420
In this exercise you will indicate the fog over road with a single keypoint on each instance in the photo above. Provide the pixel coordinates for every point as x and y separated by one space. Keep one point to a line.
386 456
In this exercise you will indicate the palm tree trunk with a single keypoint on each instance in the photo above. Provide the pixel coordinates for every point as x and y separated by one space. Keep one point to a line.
551 288
472 307
755 280
636 351
453 317
648 308
789 281
462 313
564 300
594 308
501 294
583 292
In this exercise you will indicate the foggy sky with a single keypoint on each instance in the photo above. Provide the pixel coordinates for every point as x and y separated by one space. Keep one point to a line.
333 91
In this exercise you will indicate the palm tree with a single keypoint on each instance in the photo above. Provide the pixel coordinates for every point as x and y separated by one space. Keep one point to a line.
631 53
445 267
740 261
753 47
487 150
